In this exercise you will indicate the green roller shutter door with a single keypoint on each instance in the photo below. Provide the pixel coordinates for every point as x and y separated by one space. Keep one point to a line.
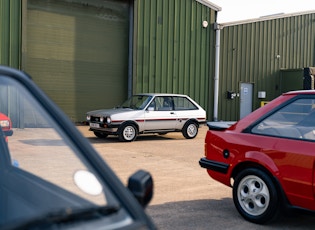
77 52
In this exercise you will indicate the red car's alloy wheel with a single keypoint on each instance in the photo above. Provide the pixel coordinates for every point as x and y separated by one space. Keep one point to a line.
255 196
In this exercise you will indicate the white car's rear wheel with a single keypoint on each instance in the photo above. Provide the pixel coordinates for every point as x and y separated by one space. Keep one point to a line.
127 132
190 130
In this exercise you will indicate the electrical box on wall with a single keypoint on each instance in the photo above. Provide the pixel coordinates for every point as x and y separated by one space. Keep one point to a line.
262 94
230 95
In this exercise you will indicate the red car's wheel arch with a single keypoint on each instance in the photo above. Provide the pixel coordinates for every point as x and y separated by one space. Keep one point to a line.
249 164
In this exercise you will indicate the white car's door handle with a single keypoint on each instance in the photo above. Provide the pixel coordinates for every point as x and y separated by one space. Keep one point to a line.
172 113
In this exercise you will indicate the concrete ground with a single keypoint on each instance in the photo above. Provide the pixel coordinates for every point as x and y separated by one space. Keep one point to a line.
185 196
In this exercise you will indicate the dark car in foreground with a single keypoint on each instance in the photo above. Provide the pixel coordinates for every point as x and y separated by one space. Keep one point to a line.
267 158
50 175
148 113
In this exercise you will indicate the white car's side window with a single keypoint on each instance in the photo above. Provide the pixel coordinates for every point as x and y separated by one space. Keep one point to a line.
163 103
182 103
296 120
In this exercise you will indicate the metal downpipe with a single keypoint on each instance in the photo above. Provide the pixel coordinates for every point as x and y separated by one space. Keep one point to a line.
216 73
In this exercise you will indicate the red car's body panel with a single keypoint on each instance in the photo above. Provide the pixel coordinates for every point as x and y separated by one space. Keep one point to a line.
6 125
290 161
279 156
5 118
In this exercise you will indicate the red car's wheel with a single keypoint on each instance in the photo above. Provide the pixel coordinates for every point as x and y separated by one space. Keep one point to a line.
255 196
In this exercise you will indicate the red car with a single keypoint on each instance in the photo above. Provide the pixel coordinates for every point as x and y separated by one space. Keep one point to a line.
268 157
6 125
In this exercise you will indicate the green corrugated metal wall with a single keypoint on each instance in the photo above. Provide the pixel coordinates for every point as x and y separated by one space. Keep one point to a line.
249 54
173 52
10 31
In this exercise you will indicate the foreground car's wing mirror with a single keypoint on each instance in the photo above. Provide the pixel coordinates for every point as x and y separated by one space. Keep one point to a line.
8 133
141 186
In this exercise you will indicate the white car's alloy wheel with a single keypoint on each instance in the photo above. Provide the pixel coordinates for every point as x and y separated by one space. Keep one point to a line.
190 130
128 133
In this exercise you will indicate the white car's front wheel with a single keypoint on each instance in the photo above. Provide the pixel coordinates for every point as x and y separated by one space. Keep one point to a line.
127 132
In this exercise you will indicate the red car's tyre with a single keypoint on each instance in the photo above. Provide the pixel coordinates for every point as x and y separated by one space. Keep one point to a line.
255 196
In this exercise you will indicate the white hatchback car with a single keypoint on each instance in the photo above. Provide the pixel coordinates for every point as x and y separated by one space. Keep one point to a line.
148 113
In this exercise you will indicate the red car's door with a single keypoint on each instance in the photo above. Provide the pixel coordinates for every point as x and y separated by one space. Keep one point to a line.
287 136
295 161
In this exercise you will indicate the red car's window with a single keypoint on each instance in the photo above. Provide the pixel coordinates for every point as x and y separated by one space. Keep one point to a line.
295 120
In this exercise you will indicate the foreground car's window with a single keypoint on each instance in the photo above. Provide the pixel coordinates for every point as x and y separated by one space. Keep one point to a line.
295 120
42 171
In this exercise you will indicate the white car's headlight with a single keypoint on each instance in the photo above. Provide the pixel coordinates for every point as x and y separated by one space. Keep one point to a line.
101 119
5 124
88 117
108 120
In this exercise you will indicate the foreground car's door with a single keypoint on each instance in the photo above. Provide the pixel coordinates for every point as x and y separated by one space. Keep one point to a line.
51 177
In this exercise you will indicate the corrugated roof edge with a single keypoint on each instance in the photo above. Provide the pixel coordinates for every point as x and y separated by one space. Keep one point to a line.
266 18
210 5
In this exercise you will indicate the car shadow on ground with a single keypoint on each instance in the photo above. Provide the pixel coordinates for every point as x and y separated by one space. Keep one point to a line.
217 214
147 137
